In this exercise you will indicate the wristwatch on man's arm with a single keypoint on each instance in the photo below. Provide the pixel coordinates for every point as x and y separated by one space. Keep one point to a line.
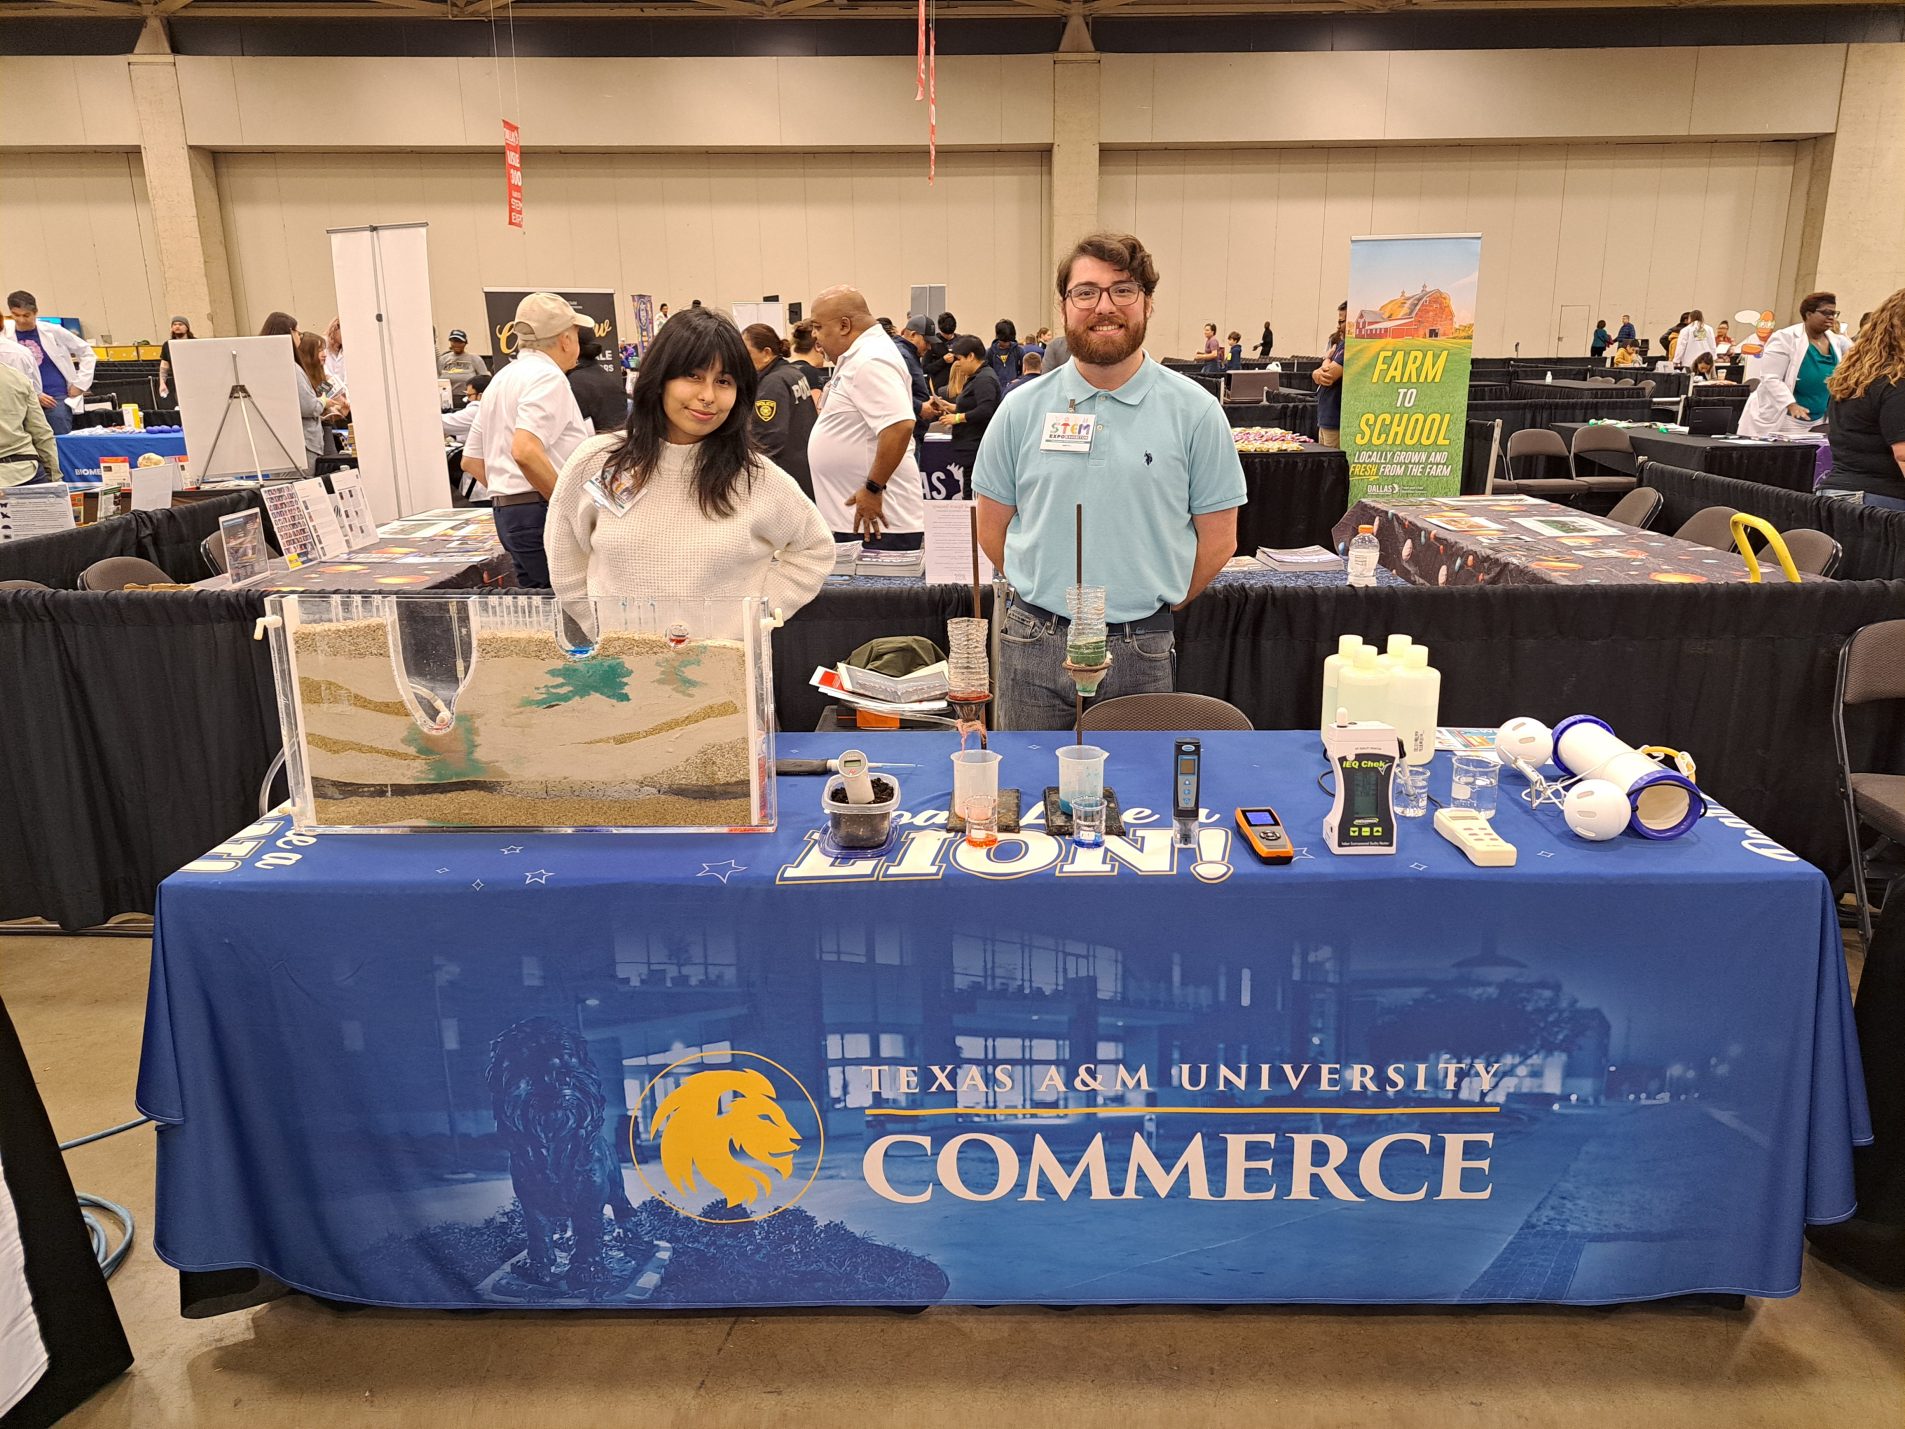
878 488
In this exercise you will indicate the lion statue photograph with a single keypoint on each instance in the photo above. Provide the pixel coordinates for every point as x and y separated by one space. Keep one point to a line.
550 1109
701 1137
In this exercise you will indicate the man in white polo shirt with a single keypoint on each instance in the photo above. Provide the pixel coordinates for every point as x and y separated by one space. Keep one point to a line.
866 482
531 426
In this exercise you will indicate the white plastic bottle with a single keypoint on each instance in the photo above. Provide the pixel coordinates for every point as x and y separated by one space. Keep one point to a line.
1363 552
1414 705
1346 648
1396 645
1363 691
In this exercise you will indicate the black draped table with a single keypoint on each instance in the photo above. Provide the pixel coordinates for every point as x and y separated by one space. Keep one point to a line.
60 1337
1292 498
1791 465
1519 540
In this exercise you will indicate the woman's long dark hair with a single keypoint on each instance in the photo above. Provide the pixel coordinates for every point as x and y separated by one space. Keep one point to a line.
691 342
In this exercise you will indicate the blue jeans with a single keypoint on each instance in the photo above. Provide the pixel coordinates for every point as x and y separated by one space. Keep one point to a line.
1036 693
59 417
1865 498
519 528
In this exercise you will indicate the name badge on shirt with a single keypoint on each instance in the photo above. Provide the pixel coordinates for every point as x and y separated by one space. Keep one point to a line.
617 496
1068 432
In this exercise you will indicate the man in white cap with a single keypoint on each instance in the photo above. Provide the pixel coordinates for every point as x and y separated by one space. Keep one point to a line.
459 365
531 426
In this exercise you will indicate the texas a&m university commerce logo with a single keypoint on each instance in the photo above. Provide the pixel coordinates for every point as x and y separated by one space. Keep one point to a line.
727 1129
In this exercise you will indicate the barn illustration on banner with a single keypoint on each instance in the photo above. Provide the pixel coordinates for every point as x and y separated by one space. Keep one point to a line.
1427 312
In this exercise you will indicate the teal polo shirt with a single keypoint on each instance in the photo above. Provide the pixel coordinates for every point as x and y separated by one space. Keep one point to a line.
1161 453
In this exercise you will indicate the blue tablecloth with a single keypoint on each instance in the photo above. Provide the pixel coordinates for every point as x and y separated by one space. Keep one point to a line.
81 452
1616 1071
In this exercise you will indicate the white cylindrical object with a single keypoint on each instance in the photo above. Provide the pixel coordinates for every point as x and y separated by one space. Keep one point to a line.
1664 802
1396 646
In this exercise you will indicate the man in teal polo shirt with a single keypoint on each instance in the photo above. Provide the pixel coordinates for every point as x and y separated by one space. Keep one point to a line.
1149 456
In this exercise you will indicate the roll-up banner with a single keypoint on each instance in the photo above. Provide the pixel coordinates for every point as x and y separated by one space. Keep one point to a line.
1407 345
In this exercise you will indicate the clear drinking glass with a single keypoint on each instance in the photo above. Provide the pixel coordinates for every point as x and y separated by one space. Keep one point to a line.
967 664
1081 774
976 794
1473 780
1088 820
1411 791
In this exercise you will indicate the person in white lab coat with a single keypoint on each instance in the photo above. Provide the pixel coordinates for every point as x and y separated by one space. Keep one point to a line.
1791 397
1695 338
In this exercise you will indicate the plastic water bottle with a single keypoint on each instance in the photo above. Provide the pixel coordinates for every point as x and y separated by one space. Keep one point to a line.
1363 552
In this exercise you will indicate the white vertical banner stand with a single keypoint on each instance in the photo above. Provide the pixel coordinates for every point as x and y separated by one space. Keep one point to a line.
383 301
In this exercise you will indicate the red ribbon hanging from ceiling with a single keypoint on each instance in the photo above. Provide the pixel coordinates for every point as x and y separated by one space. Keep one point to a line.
919 87
932 101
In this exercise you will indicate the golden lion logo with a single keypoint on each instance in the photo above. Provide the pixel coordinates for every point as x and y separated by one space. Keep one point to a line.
702 1137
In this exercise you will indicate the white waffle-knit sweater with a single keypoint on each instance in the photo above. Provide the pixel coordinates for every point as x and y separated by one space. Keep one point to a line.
774 545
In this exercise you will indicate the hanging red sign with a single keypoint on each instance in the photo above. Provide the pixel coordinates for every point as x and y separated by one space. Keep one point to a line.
513 168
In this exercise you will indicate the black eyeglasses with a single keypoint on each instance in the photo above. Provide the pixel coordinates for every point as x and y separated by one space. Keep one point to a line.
1086 295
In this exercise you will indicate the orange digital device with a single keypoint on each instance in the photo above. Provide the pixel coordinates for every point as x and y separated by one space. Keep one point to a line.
1263 831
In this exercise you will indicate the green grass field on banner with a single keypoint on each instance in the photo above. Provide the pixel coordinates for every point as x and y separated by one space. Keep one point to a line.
1384 463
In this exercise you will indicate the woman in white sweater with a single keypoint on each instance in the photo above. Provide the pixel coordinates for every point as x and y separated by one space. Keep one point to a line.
680 504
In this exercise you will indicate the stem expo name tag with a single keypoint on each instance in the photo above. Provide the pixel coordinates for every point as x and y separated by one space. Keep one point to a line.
1068 432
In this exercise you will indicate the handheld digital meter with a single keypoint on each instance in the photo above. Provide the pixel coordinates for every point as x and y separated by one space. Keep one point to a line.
1362 818
1187 757
1264 832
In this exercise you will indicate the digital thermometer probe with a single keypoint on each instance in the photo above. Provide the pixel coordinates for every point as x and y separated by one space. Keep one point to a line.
854 777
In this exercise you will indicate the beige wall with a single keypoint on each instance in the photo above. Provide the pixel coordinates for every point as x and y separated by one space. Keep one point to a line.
1649 229
1860 218
719 227
76 232
1416 96
1637 180
985 101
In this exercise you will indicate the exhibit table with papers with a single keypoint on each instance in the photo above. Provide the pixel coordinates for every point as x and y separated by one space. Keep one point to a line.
1035 1072
1520 540
82 452
1790 465
436 550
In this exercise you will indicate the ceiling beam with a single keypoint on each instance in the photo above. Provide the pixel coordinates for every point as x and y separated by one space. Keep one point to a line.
810 9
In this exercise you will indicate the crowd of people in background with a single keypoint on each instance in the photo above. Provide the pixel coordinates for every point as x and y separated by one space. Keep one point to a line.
753 454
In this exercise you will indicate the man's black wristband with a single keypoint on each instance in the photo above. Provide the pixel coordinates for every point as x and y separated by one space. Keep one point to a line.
877 488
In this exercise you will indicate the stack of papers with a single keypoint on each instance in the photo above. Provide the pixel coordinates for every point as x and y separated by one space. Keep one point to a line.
891 563
1299 558
833 683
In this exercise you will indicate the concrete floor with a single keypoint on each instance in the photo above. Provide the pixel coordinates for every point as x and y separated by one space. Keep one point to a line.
1834 1355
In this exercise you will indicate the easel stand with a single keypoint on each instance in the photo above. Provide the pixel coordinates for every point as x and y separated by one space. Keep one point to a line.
240 398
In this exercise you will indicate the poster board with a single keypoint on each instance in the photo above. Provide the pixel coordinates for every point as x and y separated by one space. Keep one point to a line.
261 434
599 303
1406 357
382 275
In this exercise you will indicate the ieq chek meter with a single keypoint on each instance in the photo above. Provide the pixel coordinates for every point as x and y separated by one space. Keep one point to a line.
1361 817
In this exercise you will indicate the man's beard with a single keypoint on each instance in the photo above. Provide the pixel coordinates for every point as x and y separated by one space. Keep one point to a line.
1105 349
